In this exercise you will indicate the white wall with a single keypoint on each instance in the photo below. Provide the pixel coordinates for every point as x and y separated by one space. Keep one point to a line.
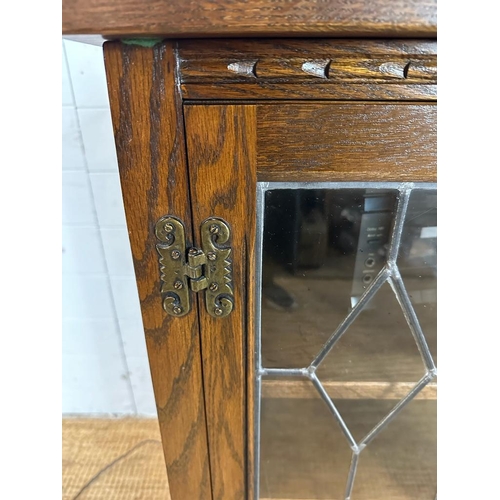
104 360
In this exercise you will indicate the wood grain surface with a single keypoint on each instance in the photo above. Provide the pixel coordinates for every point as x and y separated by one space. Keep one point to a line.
222 164
148 126
339 141
208 18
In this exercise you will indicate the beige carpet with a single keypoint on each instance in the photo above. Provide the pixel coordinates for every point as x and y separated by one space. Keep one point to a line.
113 459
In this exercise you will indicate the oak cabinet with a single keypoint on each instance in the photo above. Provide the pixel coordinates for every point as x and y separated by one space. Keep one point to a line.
281 203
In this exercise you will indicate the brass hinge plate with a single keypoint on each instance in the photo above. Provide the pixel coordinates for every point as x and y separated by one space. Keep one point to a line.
215 236
207 269
174 281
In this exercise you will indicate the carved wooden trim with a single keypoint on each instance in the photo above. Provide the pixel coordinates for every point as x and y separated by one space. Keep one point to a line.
296 61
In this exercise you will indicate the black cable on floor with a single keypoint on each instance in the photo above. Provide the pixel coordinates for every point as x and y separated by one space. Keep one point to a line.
114 462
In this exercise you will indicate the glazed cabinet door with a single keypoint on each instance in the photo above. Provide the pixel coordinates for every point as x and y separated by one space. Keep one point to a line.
320 384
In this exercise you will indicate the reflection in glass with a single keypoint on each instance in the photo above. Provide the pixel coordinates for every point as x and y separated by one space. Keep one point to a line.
303 452
400 464
417 260
348 307
321 249
377 347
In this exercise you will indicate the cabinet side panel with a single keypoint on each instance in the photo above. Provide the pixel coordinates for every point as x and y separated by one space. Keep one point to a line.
147 121
222 167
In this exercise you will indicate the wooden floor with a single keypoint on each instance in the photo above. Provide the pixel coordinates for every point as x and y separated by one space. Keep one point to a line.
113 459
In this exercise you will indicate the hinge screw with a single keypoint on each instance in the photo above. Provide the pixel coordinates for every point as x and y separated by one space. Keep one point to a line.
178 285
175 254
168 227
193 252
218 311
214 228
177 310
213 287
211 256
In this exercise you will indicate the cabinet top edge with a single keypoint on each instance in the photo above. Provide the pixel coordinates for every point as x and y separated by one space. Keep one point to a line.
109 19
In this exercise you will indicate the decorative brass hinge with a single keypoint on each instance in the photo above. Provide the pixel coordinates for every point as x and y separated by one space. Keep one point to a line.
183 269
